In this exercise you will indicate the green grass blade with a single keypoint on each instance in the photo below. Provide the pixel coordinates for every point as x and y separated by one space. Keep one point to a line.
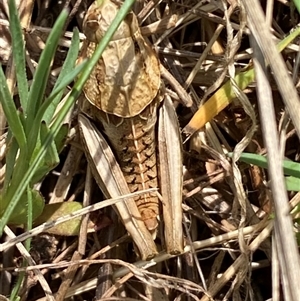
51 158
297 4
66 75
18 172
289 167
42 112
37 90
14 294
292 184
20 216
10 159
29 215
18 53
9 203
46 104
67 80
288 39
11 113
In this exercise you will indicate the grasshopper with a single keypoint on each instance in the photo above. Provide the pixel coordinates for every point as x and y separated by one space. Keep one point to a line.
130 132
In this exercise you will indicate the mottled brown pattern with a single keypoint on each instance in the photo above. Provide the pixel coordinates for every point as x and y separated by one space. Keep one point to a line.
127 77
134 143
122 94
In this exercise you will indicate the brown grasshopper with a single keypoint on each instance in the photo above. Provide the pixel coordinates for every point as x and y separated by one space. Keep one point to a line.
124 96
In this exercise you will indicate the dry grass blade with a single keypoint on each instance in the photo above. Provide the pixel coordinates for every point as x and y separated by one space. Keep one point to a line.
171 176
283 223
259 29
139 267
30 261
42 228
285 240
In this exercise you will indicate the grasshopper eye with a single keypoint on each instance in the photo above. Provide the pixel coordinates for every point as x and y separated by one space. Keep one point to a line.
91 22
91 27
